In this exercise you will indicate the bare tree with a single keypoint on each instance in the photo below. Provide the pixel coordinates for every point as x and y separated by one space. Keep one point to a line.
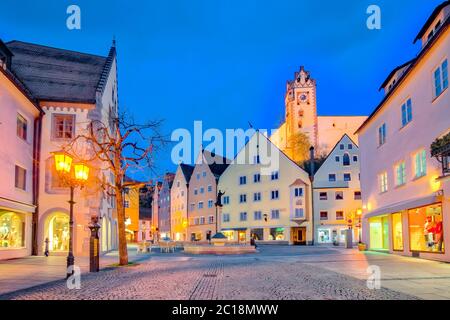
300 145
117 147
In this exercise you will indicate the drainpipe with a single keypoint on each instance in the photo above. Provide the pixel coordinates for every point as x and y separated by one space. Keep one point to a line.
36 174
311 178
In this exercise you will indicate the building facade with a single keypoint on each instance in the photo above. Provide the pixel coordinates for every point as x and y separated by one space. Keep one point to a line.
301 116
20 124
202 193
337 194
73 89
179 202
405 193
132 208
164 212
267 206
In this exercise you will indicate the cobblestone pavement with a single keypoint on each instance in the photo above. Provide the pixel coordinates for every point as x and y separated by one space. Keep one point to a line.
260 276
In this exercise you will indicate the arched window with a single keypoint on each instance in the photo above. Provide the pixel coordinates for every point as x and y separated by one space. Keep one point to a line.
346 159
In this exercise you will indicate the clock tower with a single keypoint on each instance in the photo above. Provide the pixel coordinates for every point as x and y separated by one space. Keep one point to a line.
301 109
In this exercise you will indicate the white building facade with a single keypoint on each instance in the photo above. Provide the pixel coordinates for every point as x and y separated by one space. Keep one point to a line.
270 207
70 100
20 117
405 191
337 194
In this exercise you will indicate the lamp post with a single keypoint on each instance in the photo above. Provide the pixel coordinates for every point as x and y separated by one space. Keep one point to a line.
359 214
72 179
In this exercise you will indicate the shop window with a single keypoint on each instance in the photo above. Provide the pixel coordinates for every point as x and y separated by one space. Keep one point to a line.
378 232
229 235
425 229
257 234
12 230
324 235
397 230
58 232
277 234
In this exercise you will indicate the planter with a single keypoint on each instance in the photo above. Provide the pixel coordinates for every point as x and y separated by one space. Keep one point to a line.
362 247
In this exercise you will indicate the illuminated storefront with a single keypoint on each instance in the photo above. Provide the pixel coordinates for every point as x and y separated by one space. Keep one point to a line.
397 232
58 233
379 233
426 230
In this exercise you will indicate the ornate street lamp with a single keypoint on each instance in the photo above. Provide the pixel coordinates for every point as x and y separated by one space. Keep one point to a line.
72 179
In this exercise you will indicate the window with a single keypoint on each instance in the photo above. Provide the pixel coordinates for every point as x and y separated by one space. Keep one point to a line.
337 158
347 177
256 160
382 134
63 126
243 216
339 195
276 214
441 78
21 178
355 158
323 215
299 213
202 220
257 178
350 146
357 195
275 175
257 215
323 196
243 198
400 174
332 177
126 204
383 182
420 164
426 229
276 234
257 196
204 174
406 112
346 160
242 180
275 195
298 192
397 231
209 188
22 126
12 229
192 206
211 219
210 203
226 217
226 200
202 190
195 191
339 215
341 146
200 205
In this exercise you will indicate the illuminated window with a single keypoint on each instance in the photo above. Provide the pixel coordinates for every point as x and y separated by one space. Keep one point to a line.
397 230
400 173
339 215
12 230
426 230
382 178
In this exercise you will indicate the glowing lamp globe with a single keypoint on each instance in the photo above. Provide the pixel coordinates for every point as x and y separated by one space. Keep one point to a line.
63 162
81 172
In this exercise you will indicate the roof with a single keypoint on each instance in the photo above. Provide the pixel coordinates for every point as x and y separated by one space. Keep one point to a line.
60 75
217 164
389 77
187 171
430 20
419 57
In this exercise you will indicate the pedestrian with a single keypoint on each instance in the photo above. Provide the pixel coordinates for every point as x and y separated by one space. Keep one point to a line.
46 247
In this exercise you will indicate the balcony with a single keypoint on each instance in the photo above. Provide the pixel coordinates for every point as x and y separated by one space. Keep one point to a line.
440 149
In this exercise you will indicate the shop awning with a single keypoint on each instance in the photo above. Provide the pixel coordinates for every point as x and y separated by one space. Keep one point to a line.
403 205
234 229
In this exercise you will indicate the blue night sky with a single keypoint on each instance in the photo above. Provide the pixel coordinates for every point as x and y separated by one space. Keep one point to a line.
227 62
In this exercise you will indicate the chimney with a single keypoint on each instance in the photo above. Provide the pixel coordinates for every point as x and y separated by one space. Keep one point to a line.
311 164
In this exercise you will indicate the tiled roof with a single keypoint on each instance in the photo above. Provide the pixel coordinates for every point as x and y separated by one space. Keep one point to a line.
61 75
187 171
217 164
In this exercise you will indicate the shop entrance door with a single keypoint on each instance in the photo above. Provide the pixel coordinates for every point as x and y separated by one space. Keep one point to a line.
299 236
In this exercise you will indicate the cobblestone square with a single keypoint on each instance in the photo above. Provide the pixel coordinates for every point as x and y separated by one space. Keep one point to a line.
274 273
